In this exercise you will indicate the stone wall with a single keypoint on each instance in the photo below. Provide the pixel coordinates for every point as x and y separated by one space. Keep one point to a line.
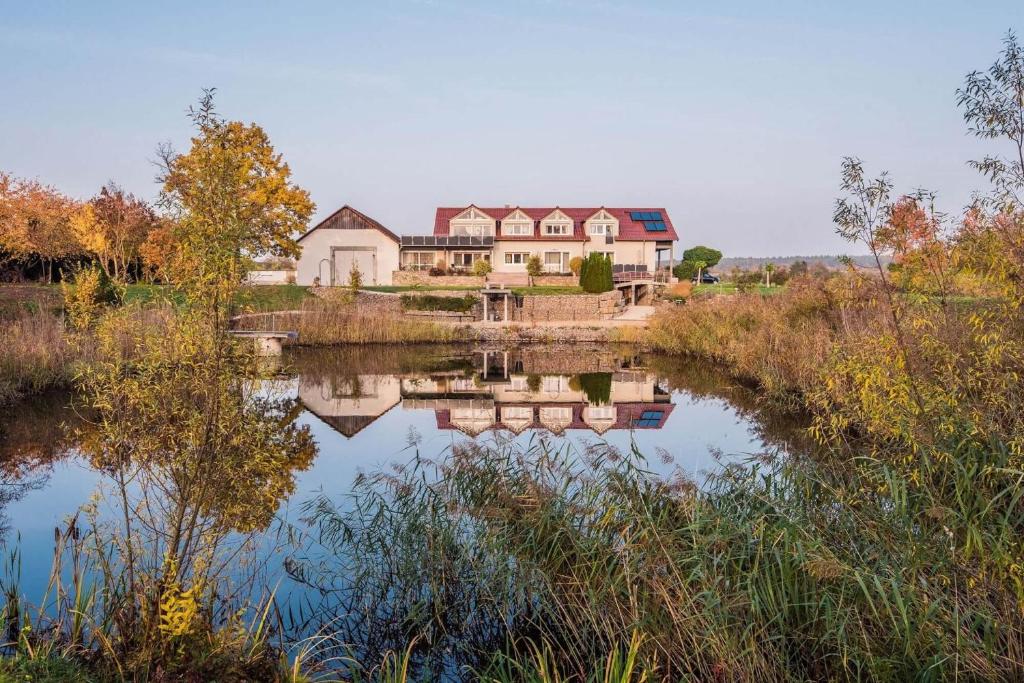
568 307
422 277
556 281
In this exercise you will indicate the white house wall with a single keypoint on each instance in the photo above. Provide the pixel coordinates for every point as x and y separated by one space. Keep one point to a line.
316 254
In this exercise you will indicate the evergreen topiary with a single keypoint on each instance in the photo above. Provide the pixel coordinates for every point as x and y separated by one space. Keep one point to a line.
596 274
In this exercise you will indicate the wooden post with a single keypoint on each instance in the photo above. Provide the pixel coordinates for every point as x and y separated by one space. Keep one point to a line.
506 308
485 307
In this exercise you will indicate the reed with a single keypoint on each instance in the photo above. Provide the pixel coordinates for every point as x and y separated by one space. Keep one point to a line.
328 322
537 564
34 355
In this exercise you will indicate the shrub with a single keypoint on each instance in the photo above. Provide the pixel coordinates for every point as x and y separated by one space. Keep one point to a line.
439 268
597 386
482 268
596 274
430 302
355 278
576 265
91 291
685 270
534 266
681 290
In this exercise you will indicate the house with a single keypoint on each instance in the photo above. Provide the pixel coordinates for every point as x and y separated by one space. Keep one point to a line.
506 237
347 240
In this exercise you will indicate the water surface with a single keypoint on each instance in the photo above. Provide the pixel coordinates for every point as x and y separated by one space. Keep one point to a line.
379 407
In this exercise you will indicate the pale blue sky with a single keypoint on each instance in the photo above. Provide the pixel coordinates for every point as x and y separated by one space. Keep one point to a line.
733 116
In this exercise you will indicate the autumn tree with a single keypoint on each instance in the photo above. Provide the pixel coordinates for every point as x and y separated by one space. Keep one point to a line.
112 227
35 223
157 251
232 200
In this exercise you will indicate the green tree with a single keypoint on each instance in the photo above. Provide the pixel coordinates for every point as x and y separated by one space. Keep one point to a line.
232 199
596 274
534 266
709 256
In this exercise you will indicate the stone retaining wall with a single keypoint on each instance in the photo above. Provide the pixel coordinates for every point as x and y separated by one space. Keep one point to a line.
444 316
556 281
569 307
423 277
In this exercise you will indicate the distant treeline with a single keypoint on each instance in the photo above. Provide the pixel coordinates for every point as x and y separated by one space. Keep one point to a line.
758 262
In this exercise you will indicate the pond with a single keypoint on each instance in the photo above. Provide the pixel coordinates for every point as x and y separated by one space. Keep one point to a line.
378 409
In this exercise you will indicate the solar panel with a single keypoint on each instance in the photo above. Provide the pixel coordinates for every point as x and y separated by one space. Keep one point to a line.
655 226
655 215
636 215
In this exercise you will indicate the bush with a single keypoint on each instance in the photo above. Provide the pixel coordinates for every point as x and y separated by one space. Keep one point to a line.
439 268
430 302
685 270
91 291
597 386
482 268
596 274
534 266
576 265
681 290
355 278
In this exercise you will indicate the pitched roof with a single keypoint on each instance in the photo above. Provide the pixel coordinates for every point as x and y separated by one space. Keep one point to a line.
334 222
627 416
628 228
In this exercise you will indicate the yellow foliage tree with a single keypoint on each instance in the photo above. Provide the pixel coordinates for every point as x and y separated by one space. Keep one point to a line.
233 200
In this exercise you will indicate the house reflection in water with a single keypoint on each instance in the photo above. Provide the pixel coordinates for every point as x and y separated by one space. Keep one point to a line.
503 390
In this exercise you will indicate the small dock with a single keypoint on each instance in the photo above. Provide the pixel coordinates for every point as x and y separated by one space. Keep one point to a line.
268 343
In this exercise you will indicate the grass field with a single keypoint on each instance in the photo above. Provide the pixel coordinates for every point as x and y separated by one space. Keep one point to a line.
730 288
31 298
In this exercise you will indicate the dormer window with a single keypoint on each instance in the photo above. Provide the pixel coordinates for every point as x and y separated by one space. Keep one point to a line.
556 224
602 224
517 224
472 222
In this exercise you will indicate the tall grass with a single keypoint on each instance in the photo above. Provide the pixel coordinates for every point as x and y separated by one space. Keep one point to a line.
539 564
780 342
34 355
326 322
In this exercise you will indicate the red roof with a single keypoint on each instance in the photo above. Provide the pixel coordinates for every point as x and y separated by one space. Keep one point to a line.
628 228
627 416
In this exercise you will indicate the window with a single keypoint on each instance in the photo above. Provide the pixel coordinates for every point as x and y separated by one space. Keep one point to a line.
519 384
463 384
553 261
555 384
472 230
466 259
600 229
610 255
556 229
555 415
514 229
418 260
516 258
600 413
517 413
650 418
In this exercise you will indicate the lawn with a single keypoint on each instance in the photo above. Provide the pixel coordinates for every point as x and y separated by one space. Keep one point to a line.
731 288
15 298
256 298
